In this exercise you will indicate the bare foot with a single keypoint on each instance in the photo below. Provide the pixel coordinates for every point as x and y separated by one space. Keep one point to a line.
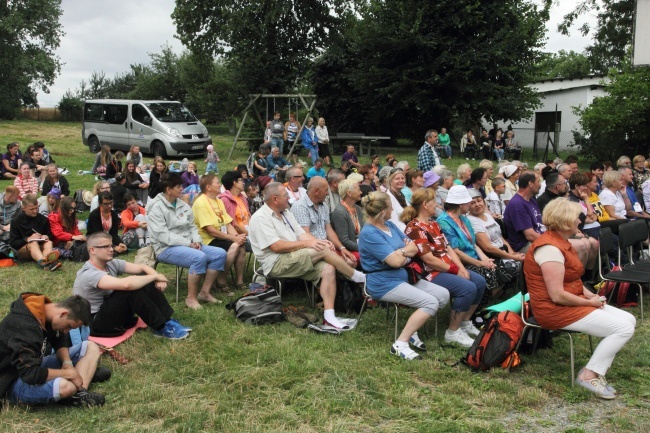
208 298
193 304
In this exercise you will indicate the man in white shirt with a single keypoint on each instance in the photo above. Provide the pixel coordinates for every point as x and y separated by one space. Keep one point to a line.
294 178
285 250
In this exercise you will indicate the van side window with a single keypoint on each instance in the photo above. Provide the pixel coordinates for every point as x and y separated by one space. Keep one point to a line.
115 114
93 112
138 113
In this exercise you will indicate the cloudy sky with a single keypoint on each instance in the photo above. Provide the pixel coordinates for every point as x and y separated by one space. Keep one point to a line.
109 36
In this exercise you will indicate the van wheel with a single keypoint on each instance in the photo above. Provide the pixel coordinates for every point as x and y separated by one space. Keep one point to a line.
93 144
158 149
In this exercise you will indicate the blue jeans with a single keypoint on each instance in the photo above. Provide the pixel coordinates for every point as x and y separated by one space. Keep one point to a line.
499 153
49 391
198 261
279 143
464 293
447 149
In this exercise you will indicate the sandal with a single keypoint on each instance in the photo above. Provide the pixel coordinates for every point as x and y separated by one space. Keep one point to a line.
224 289
119 358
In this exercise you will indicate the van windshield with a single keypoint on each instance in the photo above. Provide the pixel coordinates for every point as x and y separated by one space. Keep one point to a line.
170 112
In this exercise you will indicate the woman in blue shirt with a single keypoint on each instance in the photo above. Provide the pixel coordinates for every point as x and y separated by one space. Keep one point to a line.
384 252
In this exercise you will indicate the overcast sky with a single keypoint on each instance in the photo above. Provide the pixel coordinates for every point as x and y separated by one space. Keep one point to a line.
109 36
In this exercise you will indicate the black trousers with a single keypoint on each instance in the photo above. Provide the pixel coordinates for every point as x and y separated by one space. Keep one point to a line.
120 310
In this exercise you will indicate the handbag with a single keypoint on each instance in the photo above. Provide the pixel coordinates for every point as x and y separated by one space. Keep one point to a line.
79 251
145 256
507 270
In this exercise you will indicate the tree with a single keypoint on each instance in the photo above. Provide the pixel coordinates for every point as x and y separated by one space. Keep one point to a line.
618 123
29 33
270 43
408 65
613 35
563 65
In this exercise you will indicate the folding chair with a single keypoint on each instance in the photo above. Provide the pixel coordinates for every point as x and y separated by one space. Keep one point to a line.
179 274
257 272
367 296
630 238
636 277
530 322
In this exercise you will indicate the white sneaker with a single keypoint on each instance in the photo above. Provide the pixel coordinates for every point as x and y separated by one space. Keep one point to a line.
458 337
469 328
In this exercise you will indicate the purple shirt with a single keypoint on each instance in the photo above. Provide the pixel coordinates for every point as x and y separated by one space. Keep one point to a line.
189 179
347 156
520 215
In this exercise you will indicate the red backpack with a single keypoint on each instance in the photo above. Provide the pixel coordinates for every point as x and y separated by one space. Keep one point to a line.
496 343
621 296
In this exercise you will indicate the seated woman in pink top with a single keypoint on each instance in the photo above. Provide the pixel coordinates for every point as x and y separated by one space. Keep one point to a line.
64 227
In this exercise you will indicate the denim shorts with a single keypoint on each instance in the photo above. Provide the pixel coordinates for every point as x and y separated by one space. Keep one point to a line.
22 393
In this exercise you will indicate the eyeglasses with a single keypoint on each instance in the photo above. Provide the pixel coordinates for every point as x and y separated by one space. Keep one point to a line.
103 247
107 203
395 170
298 177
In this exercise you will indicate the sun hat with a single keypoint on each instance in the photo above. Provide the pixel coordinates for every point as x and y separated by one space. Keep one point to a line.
508 170
458 194
473 192
430 178
88 198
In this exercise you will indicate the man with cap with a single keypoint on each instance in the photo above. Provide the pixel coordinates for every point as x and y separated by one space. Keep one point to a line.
427 156
522 217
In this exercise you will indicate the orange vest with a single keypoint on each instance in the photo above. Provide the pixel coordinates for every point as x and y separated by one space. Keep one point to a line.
547 313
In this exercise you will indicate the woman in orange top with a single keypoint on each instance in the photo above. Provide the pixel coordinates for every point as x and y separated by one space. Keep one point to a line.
560 301
134 221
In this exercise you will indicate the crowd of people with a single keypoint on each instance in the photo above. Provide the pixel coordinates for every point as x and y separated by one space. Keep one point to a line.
420 236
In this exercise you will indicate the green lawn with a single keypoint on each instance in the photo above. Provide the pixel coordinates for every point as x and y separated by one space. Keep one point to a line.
235 378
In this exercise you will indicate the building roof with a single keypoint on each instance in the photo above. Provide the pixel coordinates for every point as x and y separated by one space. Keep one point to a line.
555 84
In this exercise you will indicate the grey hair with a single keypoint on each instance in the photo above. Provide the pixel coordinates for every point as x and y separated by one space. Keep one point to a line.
272 189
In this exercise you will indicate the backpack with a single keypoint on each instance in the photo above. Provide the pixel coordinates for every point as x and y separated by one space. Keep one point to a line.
618 293
258 308
349 296
79 200
496 343
79 251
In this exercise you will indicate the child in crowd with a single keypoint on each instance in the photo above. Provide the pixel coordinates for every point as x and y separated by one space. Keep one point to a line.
212 159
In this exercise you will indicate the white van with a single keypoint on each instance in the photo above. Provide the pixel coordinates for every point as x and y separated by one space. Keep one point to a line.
162 128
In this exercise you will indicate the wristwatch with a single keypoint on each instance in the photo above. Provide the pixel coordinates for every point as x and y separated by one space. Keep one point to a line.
403 252
342 248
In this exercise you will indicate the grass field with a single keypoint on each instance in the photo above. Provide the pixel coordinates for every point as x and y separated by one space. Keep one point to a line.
234 378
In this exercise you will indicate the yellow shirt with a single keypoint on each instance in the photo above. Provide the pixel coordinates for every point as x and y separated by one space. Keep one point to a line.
209 212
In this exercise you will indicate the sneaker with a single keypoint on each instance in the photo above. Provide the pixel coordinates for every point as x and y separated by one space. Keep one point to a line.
83 398
608 387
352 323
405 353
458 337
417 343
51 257
102 374
469 328
597 387
178 325
467 159
171 332
54 266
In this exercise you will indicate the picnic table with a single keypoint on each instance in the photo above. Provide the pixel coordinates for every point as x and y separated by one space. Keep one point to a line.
358 138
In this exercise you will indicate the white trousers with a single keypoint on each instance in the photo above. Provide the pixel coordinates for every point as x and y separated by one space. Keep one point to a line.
614 326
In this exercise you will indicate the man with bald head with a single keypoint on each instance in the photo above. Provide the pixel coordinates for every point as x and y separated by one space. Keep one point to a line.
313 215
286 250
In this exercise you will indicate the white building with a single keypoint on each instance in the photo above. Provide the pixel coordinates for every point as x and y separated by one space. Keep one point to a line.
563 94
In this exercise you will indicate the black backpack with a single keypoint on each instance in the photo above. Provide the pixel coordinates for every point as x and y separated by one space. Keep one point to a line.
79 200
258 308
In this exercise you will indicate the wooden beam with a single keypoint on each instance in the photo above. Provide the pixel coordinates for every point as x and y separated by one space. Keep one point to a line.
313 103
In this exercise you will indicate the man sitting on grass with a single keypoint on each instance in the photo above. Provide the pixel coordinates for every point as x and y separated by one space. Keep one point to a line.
285 250
30 235
27 374
115 302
